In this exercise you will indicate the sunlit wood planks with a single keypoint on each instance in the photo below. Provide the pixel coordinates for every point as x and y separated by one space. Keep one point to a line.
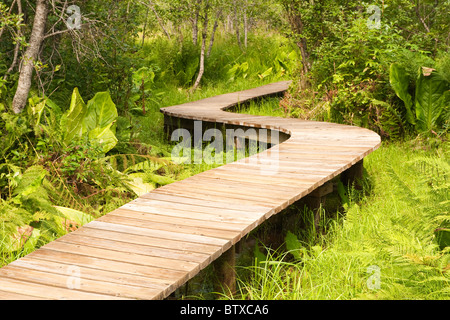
151 246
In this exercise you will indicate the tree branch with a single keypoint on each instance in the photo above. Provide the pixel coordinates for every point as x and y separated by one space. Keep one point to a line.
151 6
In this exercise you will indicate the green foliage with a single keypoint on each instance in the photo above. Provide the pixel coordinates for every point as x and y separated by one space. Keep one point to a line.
28 218
67 167
99 120
71 121
238 70
94 120
350 62
431 97
293 245
400 83
284 64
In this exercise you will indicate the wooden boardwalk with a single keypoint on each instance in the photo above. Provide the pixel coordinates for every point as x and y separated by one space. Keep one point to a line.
151 246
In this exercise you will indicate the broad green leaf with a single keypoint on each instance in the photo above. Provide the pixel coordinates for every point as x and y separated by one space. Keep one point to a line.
71 214
53 106
101 112
104 136
143 76
343 194
430 98
400 83
161 180
35 109
138 185
259 256
282 64
72 120
293 245
266 73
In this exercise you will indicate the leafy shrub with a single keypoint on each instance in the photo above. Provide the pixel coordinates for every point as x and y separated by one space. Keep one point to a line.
425 109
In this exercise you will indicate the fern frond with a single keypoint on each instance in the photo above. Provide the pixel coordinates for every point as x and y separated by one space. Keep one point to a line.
131 162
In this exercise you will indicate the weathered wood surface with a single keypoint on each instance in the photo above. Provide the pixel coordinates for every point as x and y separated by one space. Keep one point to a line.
151 246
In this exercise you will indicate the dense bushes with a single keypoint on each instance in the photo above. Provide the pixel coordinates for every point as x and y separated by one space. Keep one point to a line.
349 77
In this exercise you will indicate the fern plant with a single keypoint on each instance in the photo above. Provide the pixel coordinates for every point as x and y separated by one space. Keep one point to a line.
436 175
29 218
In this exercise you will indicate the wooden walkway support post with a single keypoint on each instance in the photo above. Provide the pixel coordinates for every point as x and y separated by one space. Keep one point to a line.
225 269
316 199
354 175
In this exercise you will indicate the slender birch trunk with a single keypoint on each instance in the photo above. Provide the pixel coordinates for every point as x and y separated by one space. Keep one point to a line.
216 25
30 56
203 49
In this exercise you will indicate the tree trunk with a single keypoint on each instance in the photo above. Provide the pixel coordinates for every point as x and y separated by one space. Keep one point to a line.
236 22
295 20
202 53
305 55
17 46
158 18
195 23
245 25
216 25
30 56
145 27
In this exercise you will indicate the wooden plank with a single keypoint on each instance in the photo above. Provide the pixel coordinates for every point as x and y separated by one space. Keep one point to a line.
247 182
206 212
5 295
172 279
213 195
159 233
232 187
225 192
79 285
215 217
179 229
43 291
256 181
135 237
182 221
120 256
89 273
285 172
217 203
136 248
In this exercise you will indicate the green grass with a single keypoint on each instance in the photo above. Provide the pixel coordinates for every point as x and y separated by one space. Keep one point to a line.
265 107
391 227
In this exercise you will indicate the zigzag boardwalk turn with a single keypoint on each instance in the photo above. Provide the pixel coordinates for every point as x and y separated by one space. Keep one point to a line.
151 246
